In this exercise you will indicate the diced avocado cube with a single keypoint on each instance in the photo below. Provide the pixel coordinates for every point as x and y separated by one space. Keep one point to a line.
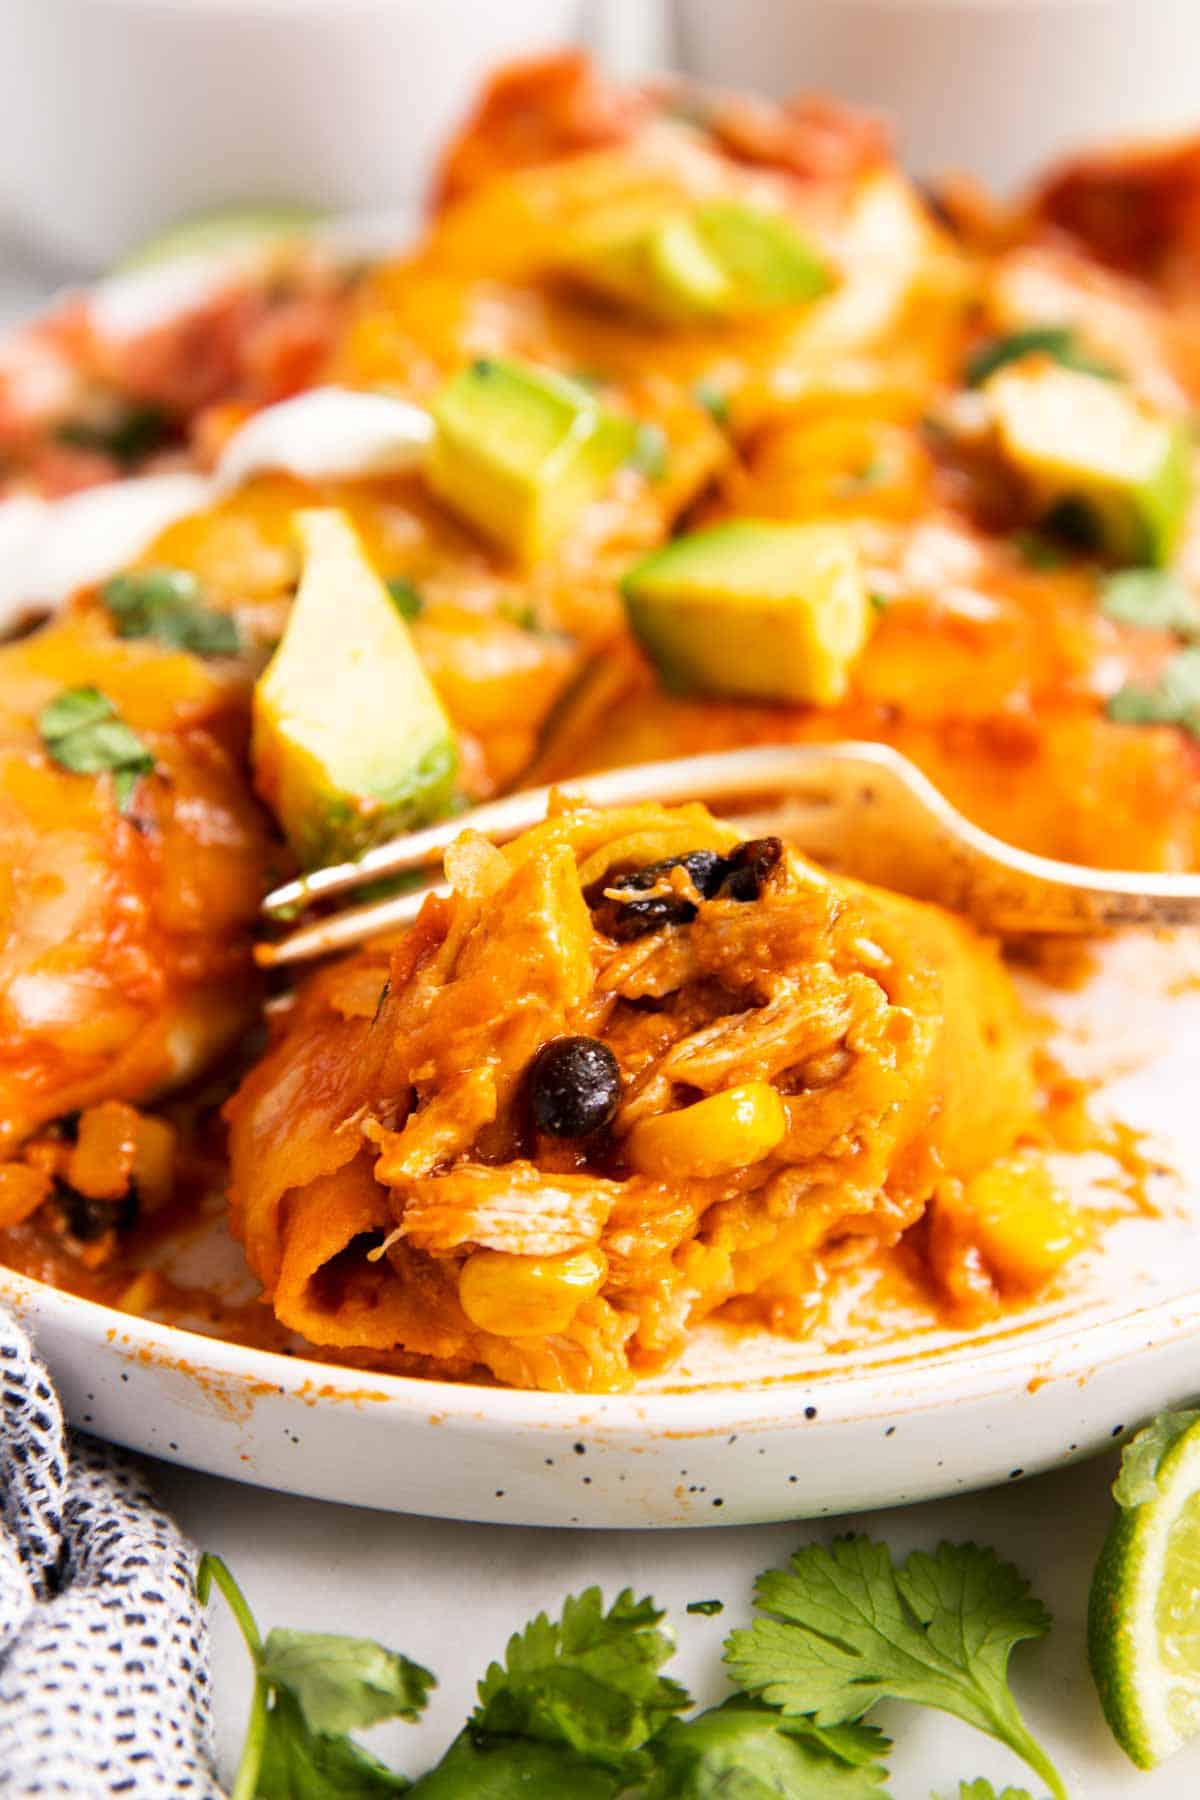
350 741
711 263
754 609
1092 446
520 451
765 258
222 231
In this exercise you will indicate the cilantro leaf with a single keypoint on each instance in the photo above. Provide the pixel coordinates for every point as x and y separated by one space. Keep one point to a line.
1155 599
166 604
1057 341
301 1764
406 597
649 455
344 1683
744 1751
713 399
1039 551
83 733
846 1628
1142 1456
517 1769
132 433
982 1789
589 1680
1174 699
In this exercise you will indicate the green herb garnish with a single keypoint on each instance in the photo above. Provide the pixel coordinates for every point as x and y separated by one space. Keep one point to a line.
1174 699
1057 341
743 1749
1153 598
518 613
707 1609
310 1690
580 1707
982 1789
132 434
1039 551
649 454
845 1628
167 604
589 1680
406 597
713 399
83 732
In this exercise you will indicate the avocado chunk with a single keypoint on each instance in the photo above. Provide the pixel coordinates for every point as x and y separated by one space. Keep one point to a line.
222 232
753 609
350 742
1090 450
711 263
520 451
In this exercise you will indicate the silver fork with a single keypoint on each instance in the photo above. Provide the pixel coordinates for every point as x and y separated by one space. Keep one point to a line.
861 808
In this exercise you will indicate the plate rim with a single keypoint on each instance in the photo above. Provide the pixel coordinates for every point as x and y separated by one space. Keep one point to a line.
1067 1348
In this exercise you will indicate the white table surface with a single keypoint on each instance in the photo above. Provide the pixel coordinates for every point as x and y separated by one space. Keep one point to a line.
450 1594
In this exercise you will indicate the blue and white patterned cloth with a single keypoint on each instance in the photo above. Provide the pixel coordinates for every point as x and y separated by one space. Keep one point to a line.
103 1647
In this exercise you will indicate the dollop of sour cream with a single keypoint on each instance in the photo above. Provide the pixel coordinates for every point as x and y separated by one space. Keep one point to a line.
51 549
327 432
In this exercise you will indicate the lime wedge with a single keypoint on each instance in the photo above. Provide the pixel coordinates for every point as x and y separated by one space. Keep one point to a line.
1144 1609
212 233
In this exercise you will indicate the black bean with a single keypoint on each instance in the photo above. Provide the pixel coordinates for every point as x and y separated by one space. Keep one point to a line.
748 867
574 1086
738 876
88 1219
623 920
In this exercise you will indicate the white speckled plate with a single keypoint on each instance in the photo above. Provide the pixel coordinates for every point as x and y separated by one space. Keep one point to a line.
745 1428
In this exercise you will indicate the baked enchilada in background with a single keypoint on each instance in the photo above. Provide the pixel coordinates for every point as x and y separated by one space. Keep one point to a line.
689 423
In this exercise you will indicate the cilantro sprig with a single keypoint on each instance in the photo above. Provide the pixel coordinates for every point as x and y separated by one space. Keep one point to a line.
167 604
845 1627
1154 599
128 434
982 1789
589 1680
579 1705
83 732
1060 342
1173 699
310 1691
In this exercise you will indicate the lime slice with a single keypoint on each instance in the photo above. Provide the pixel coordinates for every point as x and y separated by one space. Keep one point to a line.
1144 1609
212 233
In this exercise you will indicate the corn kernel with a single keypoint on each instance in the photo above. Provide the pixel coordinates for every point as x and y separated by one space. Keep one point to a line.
528 1296
144 1291
154 1162
715 1136
22 1191
1023 1226
103 1157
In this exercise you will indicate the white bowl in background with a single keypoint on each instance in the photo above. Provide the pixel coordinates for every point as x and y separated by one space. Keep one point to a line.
996 87
118 116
